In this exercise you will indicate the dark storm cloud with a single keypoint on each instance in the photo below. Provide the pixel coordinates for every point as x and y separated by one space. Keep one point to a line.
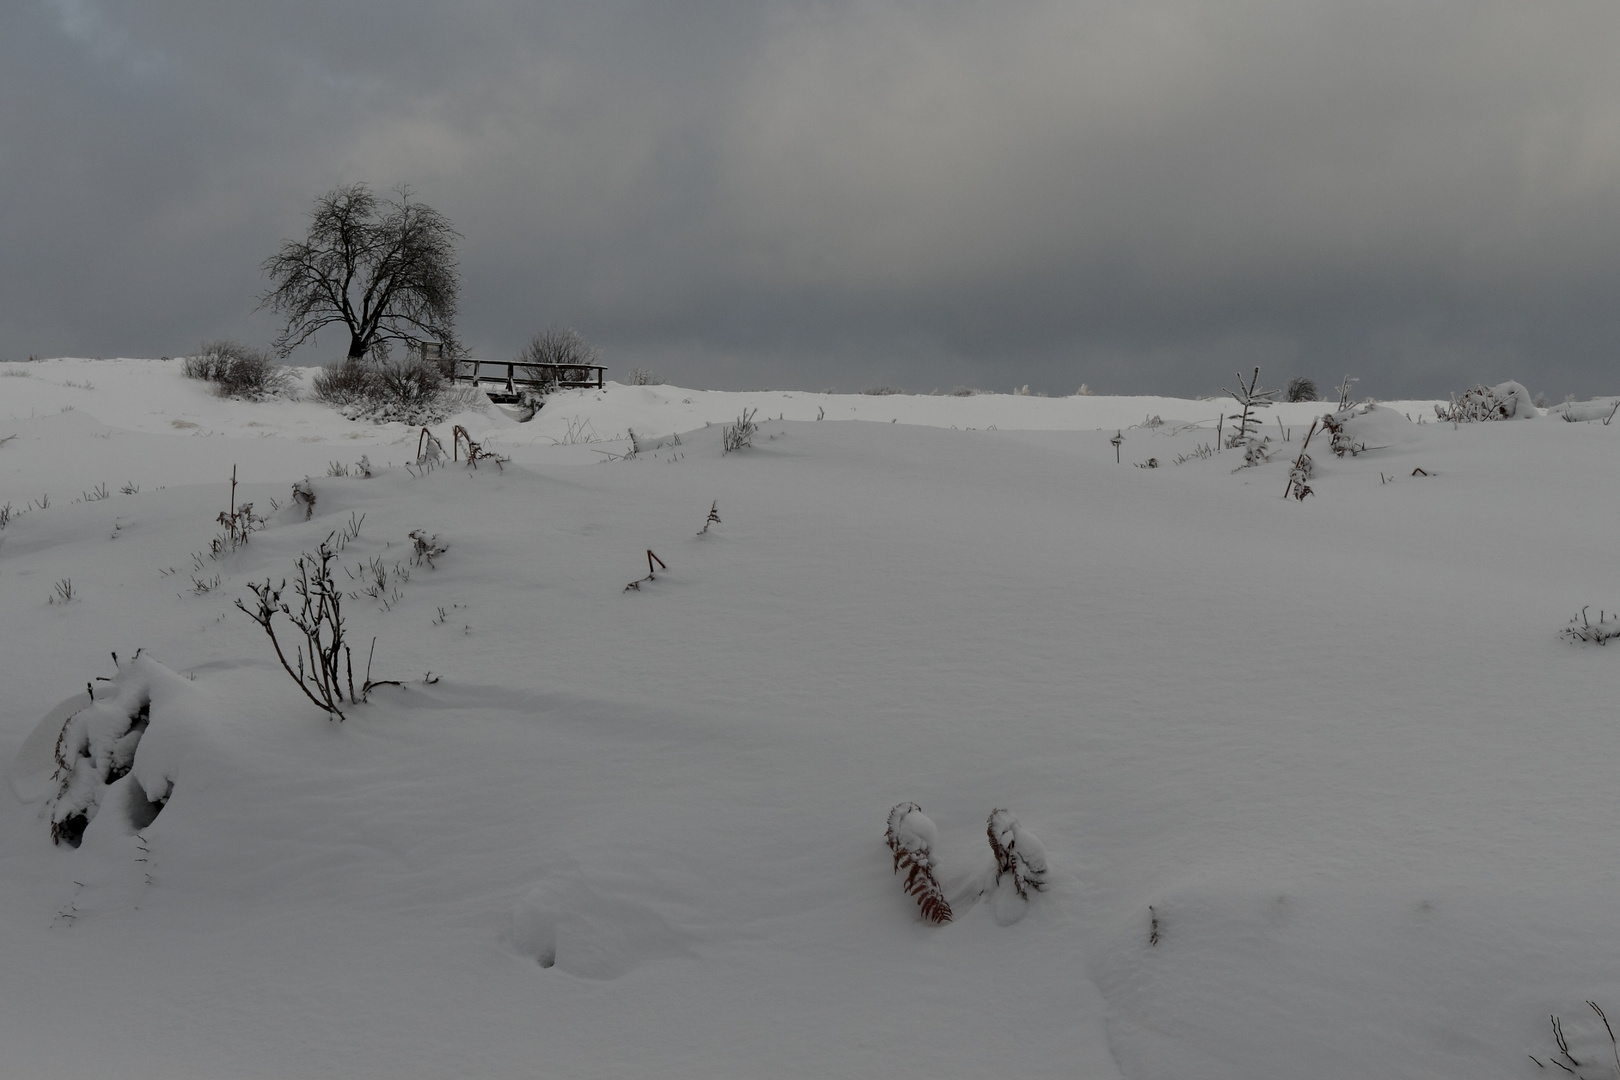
1142 196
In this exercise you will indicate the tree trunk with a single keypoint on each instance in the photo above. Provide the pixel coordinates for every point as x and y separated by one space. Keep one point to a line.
357 346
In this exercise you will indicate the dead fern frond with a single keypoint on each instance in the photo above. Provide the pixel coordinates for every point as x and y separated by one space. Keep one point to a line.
460 437
1017 853
910 837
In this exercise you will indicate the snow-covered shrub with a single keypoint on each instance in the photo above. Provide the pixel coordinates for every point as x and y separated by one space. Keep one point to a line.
407 391
1505 401
425 548
95 748
739 435
239 370
1017 853
911 837
348 383
89 746
1257 452
1581 628
1359 428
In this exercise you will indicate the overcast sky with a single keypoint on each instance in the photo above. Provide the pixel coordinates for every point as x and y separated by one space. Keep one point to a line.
1143 196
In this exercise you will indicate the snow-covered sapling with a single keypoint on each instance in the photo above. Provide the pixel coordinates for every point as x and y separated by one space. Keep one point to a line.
911 837
1017 853
1247 424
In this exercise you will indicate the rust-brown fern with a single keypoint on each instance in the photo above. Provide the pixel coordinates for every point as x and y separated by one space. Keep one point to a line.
910 836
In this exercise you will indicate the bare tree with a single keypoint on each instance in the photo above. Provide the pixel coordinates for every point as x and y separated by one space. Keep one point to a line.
385 269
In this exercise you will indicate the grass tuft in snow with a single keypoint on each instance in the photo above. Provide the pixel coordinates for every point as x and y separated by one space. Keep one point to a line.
1581 628
741 434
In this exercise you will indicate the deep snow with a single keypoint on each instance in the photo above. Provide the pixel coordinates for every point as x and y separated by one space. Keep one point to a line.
1338 746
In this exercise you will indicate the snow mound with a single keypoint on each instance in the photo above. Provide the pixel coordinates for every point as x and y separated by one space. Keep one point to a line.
92 753
1579 411
595 929
1361 428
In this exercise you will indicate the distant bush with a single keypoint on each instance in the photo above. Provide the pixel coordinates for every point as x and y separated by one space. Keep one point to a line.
562 346
409 391
643 377
1301 389
239 370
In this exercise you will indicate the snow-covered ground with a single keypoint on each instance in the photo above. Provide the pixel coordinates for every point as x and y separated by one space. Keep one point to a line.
1322 790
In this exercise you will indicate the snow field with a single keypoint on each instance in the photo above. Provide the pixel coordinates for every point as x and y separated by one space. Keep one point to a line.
1337 745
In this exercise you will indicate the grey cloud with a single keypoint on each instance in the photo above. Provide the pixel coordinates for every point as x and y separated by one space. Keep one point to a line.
1135 195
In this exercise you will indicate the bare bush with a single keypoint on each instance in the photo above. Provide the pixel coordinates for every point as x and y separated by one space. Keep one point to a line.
407 391
344 383
239 370
328 680
1300 389
561 346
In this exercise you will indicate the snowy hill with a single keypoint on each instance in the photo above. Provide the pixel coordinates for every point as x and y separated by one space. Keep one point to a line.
1321 789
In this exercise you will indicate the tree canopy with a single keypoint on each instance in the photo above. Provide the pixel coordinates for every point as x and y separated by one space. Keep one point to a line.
385 269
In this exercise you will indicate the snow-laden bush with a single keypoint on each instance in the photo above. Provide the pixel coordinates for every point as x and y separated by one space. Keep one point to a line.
1360 428
1505 401
239 371
95 752
409 391
911 837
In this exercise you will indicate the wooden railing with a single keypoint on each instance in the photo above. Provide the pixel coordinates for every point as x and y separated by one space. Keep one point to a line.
516 375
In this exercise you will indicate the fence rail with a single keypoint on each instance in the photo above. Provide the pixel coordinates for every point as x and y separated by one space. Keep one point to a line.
512 376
